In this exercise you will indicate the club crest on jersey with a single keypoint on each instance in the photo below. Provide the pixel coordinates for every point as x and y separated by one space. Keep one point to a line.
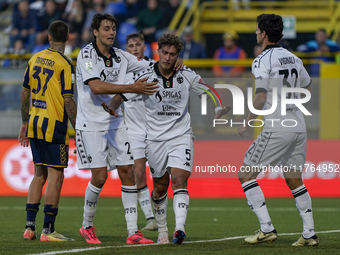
117 59
88 65
180 79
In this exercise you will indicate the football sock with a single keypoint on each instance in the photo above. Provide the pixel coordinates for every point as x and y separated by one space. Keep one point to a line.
145 203
90 205
257 204
129 199
31 214
304 206
181 205
51 212
160 207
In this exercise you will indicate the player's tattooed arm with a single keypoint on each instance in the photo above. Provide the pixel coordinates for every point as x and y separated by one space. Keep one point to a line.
115 102
71 109
24 104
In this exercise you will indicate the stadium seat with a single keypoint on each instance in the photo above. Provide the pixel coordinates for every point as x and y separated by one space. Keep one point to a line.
124 30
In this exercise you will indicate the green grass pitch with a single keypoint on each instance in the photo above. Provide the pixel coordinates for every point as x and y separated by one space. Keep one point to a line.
214 226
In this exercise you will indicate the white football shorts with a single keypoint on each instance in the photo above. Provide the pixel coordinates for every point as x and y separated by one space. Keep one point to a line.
103 149
177 152
138 145
278 148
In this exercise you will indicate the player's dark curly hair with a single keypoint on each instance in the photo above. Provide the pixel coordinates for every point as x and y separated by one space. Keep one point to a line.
98 18
58 30
169 40
273 26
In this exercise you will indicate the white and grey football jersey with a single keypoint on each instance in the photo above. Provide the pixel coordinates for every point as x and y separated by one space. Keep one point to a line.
167 113
276 67
134 109
92 65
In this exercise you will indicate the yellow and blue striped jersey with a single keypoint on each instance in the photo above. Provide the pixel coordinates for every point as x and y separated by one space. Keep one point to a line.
49 76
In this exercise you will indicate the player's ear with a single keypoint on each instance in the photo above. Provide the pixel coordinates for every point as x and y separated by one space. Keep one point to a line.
95 32
49 37
144 48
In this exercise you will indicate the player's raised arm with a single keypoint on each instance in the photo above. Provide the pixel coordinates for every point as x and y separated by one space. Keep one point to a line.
140 87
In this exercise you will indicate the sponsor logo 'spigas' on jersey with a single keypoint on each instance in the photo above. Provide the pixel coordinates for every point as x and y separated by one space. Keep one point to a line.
167 113
49 76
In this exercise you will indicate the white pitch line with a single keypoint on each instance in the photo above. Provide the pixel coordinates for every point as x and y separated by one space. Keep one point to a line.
192 209
139 245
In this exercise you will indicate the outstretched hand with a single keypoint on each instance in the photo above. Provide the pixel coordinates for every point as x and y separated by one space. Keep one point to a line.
109 109
223 111
142 87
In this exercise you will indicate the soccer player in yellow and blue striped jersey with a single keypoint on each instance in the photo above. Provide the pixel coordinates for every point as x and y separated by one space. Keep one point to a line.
47 104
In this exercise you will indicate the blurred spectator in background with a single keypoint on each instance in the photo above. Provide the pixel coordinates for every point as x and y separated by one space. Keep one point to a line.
3 5
24 25
229 50
129 11
191 49
51 14
169 10
98 6
257 50
75 20
321 44
322 47
149 20
18 49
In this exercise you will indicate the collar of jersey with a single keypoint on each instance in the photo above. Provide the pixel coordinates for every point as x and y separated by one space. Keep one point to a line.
112 51
159 73
272 46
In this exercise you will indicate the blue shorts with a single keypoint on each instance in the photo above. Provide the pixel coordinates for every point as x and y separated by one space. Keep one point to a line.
49 154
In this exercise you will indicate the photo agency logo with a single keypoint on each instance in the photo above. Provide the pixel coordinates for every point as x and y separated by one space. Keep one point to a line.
204 97
289 100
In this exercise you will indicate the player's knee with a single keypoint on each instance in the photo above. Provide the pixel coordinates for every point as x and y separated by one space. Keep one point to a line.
159 191
179 182
99 180
293 183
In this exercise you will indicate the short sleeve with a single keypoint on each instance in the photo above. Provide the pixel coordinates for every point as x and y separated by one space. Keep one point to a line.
87 66
261 75
67 78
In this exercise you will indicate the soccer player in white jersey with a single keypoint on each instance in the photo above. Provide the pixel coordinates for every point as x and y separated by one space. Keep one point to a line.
282 145
102 141
169 139
134 115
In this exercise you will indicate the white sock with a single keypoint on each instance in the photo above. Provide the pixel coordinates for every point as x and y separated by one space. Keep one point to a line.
145 203
160 207
181 205
129 199
304 206
90 206
257 203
